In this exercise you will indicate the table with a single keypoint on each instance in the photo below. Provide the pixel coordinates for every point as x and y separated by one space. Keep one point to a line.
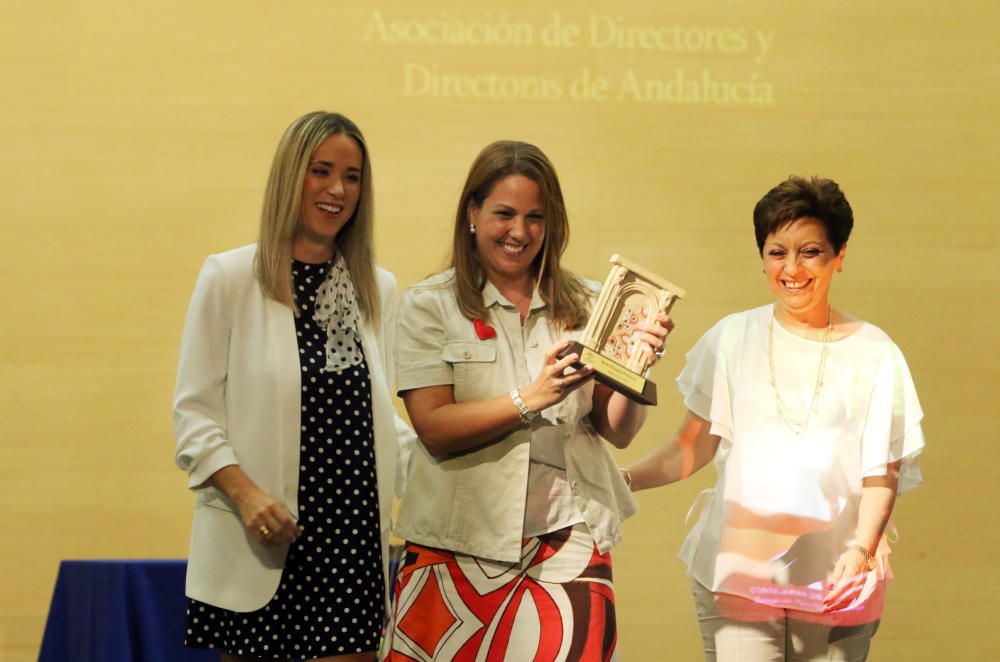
119 611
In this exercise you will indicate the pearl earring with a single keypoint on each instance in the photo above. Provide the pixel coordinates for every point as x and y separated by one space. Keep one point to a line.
472 229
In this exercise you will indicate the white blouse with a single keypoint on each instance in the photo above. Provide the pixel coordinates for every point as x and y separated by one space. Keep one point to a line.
785 506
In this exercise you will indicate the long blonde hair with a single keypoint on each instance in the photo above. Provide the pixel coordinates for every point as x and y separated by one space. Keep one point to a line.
565 294
282 208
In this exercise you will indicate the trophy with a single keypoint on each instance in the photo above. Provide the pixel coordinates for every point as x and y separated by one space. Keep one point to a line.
630 295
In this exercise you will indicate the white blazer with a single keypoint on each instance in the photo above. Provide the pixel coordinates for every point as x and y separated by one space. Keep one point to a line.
237 401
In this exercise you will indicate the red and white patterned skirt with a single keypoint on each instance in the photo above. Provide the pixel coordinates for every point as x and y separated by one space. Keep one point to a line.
558 603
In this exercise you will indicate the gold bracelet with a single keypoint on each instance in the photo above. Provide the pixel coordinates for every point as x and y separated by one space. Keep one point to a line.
869 559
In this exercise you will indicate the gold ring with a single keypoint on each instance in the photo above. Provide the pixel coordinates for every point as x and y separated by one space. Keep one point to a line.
264 531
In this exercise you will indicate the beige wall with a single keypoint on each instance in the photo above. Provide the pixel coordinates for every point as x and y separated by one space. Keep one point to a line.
136 138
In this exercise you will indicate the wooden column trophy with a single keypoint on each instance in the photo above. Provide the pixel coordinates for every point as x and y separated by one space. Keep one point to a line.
630 295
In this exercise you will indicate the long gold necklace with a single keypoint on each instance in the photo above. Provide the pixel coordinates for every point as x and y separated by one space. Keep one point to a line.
794 420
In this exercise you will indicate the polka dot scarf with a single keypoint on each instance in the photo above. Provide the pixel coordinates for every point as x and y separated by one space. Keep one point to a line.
337 311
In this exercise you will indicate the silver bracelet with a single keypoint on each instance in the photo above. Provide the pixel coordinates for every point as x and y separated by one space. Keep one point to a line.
523 413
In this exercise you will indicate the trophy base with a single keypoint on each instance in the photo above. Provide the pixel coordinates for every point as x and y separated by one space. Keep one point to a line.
614 375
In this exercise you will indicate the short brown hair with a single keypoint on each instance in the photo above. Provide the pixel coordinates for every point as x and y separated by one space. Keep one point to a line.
796 198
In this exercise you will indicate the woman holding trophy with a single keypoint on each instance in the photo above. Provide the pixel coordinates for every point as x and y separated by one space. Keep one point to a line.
513 501
813 423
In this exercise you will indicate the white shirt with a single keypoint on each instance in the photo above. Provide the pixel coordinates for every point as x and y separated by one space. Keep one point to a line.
785 506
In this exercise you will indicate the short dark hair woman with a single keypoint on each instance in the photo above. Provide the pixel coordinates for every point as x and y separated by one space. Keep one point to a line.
813 423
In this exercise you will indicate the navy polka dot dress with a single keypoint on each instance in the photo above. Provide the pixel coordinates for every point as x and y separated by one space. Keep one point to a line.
330 598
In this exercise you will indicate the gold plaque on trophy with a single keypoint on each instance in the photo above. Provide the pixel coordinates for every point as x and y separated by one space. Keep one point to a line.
631 295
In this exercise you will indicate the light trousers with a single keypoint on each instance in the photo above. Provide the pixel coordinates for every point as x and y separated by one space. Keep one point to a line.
734 629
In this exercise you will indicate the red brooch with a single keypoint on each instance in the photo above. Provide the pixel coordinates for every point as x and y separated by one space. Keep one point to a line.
483 330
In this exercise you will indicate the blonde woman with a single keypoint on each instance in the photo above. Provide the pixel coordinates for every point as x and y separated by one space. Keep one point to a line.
513 501
283 416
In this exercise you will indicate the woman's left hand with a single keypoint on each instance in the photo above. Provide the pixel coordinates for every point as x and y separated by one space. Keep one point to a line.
847 580
650 337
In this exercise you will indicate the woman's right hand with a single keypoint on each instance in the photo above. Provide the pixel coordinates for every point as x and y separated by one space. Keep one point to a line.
445 426
553 384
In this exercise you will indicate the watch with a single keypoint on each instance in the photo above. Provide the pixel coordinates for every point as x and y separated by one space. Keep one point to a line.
525 414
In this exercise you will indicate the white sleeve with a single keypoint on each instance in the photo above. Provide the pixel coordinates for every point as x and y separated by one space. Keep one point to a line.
199 396
892 429
704 384
405 437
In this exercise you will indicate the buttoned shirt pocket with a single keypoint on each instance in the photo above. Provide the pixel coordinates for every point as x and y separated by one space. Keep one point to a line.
474 369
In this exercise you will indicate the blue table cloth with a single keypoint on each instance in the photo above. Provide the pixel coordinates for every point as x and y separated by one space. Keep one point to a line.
119 611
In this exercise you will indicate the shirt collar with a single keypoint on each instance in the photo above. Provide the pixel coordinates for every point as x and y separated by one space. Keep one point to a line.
492 297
